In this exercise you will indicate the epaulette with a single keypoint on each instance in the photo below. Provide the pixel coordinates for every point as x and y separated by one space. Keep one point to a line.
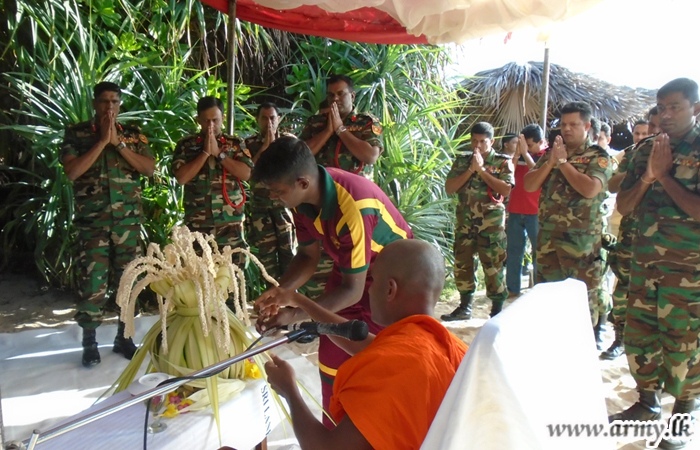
317 118
76 126
645 140
600 149
131 127
368 114
503 155
229 137
187 139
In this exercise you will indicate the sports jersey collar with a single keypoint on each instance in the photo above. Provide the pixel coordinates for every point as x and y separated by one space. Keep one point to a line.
329 198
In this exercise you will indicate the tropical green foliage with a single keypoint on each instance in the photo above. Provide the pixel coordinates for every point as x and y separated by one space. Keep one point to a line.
166 55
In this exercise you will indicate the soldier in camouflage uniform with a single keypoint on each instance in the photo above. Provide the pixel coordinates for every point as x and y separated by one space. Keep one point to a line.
621 257
573 177
211 165
340 137
271 224
482 179
105 160
662 188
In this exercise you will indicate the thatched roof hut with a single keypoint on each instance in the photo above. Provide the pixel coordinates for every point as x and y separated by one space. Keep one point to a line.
510 97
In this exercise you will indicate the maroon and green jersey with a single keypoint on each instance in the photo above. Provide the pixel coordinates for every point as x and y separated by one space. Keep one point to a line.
355 222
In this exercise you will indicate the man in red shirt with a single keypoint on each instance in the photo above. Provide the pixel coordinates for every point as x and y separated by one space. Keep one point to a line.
523 206
352 217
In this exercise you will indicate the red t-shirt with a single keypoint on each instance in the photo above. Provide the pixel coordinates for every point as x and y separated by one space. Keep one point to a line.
521 201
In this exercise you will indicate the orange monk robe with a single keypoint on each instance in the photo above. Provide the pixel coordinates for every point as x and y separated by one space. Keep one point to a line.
392 389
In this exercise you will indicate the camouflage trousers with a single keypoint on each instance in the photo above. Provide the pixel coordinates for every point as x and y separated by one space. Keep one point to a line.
620 262
568 255
273 238
105 251
230 234
490 248
663 325
317 283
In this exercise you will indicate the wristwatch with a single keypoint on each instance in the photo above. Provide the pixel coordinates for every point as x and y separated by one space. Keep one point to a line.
562 161
341 129
121 146
221 156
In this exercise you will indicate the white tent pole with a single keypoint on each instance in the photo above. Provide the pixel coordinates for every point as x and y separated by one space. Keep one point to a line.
232 42
545 88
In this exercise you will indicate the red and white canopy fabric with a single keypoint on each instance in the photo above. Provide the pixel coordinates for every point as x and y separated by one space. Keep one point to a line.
404 21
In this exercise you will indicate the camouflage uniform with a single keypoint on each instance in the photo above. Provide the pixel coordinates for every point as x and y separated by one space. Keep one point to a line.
663 311
108 215
206 209
480 226
271 226
621 257
334 154
569 241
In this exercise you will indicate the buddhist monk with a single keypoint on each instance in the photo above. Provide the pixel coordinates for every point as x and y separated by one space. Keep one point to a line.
387 394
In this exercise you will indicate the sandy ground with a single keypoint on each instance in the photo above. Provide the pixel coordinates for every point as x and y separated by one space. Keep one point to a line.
26 304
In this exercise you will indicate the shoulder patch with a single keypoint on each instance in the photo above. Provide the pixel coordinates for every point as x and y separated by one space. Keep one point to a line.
142 138
246 152
603 162
376 128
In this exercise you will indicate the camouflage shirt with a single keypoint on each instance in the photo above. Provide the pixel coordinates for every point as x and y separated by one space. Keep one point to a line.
562 208
627 222
205 205
659 218
109 191
334 153
260 196
475 195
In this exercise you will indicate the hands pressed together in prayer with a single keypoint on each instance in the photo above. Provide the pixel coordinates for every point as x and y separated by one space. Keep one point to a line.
211 147
108 129
558 152
477 162
334 121
660 160
522 145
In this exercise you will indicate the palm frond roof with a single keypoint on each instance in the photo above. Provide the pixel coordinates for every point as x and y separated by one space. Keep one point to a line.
509 96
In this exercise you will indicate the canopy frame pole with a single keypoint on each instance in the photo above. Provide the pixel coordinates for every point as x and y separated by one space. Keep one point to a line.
232 43
545 88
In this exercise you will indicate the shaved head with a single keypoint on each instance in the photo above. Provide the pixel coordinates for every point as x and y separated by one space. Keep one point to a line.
408 275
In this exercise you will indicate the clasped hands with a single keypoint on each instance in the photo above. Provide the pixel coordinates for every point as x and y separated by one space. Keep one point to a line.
211 146
477 164
557 153
334 121
660 160
108 129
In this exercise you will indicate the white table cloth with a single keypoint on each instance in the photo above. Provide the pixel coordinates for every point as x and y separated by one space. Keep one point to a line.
532 366
245 421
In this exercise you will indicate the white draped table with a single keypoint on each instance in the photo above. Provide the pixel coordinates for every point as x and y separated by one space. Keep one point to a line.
245 421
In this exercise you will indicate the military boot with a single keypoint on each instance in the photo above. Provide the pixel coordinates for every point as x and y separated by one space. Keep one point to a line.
496 307
91 355
463 311
646 408
123 345
617 348
681 427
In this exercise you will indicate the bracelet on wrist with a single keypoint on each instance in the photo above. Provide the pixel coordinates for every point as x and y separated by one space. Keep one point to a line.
341 129
645 181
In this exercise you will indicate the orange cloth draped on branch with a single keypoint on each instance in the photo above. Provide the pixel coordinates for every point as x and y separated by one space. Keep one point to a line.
392 389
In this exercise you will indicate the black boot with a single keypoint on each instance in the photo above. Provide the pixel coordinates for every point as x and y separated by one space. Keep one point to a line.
463 311
91 355
496 307
647 408
123 345
598 332
617 348
681 428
